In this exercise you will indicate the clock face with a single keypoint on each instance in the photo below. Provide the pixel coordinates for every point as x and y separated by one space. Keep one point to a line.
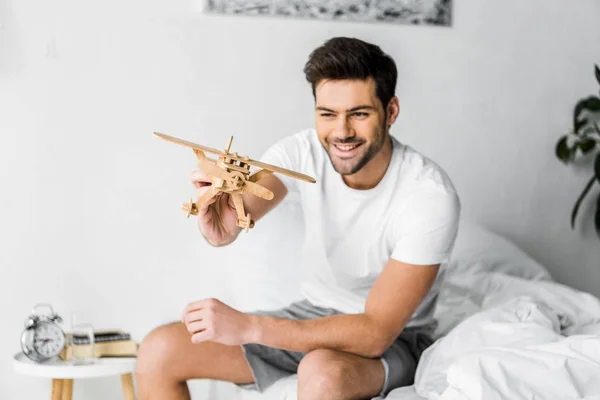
48 339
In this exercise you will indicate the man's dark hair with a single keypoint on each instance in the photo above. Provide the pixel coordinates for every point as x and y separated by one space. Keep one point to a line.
350 58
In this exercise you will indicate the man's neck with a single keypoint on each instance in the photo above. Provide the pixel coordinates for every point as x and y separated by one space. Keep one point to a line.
373 172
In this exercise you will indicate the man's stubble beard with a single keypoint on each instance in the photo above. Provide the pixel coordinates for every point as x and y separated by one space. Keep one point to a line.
371 152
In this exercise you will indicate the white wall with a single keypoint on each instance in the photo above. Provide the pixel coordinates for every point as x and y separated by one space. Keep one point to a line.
89 204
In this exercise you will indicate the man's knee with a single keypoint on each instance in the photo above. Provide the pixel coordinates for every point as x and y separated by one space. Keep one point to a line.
157 350
321 375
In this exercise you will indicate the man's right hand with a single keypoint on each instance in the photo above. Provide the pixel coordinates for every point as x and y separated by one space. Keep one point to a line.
216 218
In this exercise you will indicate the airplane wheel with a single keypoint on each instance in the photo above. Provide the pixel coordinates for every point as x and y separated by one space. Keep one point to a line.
188 208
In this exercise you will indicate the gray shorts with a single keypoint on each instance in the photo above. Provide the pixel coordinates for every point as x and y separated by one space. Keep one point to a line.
269 364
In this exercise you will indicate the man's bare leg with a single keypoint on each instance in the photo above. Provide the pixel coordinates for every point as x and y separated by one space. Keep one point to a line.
167 359
334 375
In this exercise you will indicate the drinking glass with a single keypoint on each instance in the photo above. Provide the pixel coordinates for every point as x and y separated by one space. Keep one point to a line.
81 340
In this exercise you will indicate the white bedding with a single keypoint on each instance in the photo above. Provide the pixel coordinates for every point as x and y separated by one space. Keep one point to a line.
531 340
506 331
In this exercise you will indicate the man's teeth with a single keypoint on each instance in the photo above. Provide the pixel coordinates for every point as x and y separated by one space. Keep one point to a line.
346 147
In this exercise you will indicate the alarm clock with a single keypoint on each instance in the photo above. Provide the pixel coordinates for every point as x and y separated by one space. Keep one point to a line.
43 339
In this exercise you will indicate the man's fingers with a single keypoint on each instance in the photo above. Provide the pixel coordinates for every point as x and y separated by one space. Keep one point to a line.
189 317
229 203
204 208
199 178
201 191
200 304
200 184
193 306
198 309
196 327
202 336
193 316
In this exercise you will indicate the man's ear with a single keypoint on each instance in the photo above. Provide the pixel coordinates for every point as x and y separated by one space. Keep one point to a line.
392 111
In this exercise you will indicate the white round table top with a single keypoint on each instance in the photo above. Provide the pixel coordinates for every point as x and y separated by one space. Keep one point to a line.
60 369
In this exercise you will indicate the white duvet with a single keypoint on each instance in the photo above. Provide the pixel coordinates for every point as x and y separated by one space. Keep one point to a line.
529 340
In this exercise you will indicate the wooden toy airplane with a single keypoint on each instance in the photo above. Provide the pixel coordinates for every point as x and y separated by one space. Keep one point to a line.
231 174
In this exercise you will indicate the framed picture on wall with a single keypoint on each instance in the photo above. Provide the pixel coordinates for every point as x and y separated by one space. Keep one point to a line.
417 12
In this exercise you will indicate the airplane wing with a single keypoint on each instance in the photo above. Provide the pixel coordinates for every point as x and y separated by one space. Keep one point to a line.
189 144
280 170
246 160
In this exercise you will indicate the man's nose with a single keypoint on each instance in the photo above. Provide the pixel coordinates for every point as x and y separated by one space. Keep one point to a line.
342 128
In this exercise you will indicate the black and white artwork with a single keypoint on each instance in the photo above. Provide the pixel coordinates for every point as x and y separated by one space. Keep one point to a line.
428 12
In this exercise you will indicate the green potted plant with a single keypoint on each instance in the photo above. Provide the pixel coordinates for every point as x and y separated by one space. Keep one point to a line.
583 140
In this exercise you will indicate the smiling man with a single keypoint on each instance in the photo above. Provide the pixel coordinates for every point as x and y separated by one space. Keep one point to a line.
380 223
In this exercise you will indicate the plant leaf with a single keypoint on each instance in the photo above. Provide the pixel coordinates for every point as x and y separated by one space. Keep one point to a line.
597 219
593 103
597 167
579 123
588 131
579 107
579 200
597 70
587 145
562 150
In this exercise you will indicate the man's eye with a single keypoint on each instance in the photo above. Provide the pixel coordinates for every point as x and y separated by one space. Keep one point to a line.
361 115
327 115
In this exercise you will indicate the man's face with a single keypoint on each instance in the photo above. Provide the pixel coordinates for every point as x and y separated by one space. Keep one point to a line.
350 122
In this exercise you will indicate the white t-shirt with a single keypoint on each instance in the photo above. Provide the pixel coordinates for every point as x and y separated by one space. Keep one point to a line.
412 216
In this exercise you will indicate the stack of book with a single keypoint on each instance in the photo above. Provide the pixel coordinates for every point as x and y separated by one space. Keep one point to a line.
114 343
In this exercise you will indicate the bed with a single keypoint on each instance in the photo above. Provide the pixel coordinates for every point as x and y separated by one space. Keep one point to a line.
506 331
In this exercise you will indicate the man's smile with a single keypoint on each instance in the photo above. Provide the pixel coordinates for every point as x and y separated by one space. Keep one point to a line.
345 150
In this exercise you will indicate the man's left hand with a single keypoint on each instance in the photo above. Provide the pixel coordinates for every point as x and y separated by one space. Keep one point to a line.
212 320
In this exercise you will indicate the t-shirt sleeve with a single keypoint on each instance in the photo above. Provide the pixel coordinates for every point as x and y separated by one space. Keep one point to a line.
285 154
427 229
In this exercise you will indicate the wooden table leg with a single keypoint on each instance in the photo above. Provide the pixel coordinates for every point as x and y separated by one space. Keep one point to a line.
57 388
127 383
67 389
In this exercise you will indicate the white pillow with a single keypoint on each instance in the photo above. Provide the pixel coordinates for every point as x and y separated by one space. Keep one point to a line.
476 244
478 253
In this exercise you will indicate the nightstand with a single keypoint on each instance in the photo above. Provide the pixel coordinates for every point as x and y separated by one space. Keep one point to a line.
63 373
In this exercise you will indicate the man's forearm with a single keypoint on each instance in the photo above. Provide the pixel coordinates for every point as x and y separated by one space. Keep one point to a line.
353 333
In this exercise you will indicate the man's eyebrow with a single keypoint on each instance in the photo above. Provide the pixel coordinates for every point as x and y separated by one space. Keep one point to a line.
364 107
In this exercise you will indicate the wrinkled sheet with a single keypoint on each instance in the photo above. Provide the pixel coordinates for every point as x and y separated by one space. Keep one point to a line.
513 338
